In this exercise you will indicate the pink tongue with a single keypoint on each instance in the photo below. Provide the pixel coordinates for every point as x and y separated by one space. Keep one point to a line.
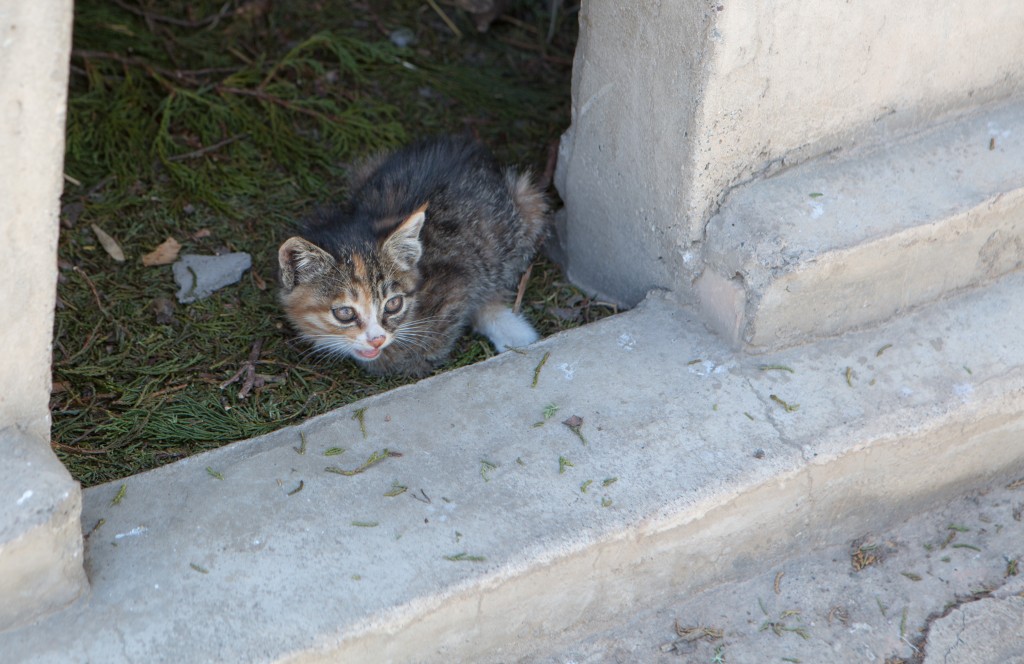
369 354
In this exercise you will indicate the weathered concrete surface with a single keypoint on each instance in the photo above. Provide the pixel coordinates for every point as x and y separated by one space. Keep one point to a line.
638 77
280 560
40 531
40 542
938 587
35 39
841 242
989 630
675 103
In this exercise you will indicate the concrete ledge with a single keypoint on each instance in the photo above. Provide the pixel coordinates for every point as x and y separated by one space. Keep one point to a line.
711 471
40 537
842 242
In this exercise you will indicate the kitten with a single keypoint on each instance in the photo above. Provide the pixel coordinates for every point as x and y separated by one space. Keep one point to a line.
434 238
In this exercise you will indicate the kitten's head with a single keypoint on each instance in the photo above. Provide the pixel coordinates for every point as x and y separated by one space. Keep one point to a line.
356 302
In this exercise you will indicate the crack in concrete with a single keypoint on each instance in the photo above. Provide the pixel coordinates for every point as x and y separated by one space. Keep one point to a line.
963 626
123 640
960 602
767 168
768 410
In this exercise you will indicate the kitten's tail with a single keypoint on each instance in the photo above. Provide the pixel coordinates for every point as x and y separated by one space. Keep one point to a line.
531 203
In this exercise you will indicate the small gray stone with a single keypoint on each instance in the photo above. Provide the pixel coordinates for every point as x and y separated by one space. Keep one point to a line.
199 276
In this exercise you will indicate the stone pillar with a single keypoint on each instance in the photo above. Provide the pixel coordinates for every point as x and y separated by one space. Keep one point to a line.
40 533
677 103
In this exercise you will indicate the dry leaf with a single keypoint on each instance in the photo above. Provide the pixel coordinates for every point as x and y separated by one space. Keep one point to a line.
201 233
165 254
110 245
574 422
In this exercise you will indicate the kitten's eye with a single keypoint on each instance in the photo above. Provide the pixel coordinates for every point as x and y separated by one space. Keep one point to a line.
394 304
344 314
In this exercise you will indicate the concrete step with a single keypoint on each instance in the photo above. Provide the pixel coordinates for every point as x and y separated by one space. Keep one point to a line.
850 240
40 543
943 587
501 534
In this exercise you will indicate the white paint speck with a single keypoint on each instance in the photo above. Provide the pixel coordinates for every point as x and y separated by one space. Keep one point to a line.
703 368
817 209
996 130
906 392
963 390
568 370
134 532
25 496
627 342
688 258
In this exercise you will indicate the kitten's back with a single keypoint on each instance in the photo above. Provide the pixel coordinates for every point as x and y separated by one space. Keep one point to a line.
392 185
481 227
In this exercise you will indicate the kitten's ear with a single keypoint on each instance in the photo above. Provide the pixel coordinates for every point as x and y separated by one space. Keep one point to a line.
404 245
301 261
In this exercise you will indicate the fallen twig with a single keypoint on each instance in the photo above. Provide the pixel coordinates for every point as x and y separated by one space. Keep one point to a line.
209 148
788 407
444 17
184 23
249 369
522 289
540 365
374 459
360 415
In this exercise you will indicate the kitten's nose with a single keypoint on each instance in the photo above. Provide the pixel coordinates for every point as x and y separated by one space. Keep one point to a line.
376 342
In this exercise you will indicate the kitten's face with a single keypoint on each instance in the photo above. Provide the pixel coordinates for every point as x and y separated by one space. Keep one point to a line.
358 305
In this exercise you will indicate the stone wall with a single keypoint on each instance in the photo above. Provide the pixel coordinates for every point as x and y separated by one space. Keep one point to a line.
676 103
40 535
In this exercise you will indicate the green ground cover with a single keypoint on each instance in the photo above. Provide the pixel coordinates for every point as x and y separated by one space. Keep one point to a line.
221 125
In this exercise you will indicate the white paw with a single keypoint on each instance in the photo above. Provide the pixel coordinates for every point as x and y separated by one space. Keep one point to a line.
504 328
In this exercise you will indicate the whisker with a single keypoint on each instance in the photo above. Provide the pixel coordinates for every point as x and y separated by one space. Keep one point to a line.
416 331
429 330
410 343
327 345
423 320
423 343
417 338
